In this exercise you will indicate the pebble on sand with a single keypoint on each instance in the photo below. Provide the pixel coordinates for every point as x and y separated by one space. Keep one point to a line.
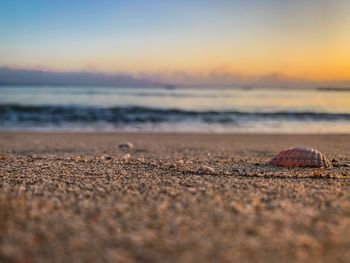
3 157
106 157
318 172
180 162
126 157
206 169
125 146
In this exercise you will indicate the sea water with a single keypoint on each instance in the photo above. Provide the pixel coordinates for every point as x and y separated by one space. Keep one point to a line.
156 109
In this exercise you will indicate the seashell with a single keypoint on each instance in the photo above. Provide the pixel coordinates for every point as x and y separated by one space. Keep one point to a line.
301 157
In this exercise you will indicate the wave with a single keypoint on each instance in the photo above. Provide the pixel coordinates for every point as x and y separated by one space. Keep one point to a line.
63 114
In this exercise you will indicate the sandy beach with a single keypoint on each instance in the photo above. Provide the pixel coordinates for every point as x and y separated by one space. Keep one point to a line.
70 197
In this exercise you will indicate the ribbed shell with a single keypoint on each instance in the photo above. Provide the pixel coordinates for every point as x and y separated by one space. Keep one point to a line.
301 157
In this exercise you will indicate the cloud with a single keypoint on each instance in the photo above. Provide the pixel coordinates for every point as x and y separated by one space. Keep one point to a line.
215 78
10 76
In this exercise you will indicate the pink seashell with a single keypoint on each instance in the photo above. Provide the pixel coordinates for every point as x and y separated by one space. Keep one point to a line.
301 157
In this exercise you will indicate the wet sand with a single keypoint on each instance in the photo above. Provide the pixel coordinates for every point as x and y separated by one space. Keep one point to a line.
172 198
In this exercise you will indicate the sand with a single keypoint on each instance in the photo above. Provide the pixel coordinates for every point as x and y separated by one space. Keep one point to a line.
172 198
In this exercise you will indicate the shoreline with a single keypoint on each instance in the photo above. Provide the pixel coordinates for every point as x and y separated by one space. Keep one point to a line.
164 133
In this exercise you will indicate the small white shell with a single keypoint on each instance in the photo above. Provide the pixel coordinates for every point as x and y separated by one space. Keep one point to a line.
126 146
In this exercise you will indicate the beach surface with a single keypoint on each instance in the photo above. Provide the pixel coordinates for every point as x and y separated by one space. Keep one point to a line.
71 197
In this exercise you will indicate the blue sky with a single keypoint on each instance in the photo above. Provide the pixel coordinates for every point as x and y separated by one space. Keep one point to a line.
304 39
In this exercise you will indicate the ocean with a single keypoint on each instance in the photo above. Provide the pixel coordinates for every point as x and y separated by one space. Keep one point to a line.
199 110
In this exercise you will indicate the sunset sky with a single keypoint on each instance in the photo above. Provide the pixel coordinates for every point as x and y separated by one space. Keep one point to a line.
223 38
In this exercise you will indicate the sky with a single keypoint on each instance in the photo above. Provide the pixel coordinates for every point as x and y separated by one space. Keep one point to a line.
193 40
